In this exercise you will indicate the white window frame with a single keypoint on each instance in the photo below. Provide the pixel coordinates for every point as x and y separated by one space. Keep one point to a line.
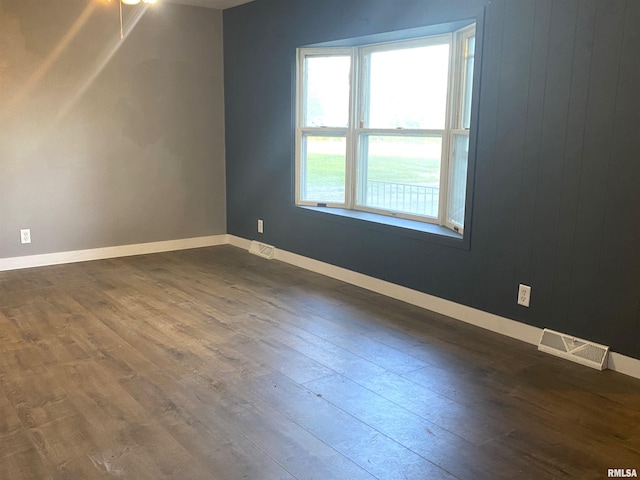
356 128
302 130
459 73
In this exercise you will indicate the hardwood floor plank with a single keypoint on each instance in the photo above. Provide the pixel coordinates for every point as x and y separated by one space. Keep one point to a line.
13 437
462 387
440 446
36 397
375 452
20 359
572 401
220 459
215 364
441 413
268 352
24 465
382 355
212 441
549 456
63 438
443 352
122 427
10 335
288 445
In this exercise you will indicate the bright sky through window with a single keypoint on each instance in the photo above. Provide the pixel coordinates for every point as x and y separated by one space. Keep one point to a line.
408 88
327 91
384 127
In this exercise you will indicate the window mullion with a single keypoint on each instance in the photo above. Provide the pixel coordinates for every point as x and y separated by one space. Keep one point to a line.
352 136
457 170
446 136
389 163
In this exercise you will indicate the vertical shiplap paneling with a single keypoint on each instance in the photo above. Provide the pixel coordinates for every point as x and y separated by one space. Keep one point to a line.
362 253
618 276
486 144
547 176
536 104
581 65
437 274
546 141
402 256
596 158
509 153
461 276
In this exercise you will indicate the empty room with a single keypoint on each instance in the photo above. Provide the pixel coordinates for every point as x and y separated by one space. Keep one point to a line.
305 239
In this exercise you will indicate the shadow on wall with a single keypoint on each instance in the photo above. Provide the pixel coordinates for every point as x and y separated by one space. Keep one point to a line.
103 141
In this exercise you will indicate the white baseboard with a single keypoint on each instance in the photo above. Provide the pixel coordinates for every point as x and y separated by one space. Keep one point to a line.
623 364
16 263
239 242
504 326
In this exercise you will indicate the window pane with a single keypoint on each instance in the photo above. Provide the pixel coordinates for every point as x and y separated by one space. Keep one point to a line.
468 81
400 173
323 169
458 188
408 88
327 91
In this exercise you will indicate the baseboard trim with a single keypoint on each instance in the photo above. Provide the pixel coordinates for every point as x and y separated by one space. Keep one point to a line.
239 242
488 321
494 323
504 326
59 258
623 364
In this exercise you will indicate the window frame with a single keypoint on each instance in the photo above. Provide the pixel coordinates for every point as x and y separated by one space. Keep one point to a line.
302 130
356 129
456 126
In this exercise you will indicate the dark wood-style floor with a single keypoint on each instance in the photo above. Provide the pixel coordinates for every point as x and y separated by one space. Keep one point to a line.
216 364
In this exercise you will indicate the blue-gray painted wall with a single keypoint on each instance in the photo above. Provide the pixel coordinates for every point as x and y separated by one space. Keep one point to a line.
556 201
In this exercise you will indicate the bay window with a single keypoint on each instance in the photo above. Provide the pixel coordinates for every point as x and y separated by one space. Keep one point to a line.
384 128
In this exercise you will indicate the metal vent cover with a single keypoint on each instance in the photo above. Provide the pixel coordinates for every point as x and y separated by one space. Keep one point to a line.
575 349
262 250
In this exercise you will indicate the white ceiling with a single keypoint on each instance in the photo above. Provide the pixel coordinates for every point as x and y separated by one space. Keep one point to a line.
219 4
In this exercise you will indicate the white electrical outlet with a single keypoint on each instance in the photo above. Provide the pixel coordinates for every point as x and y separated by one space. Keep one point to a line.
524 295
25 235
260 226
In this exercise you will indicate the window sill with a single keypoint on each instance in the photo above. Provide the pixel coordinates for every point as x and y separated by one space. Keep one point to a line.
399 226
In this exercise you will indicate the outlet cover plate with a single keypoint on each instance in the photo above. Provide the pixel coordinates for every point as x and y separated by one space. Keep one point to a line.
25 235
524 295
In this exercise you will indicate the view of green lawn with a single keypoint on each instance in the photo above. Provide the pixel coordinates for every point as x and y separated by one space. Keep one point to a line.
329 169
396 160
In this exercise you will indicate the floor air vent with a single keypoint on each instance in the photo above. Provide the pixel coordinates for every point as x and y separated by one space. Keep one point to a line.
262 250
581 351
